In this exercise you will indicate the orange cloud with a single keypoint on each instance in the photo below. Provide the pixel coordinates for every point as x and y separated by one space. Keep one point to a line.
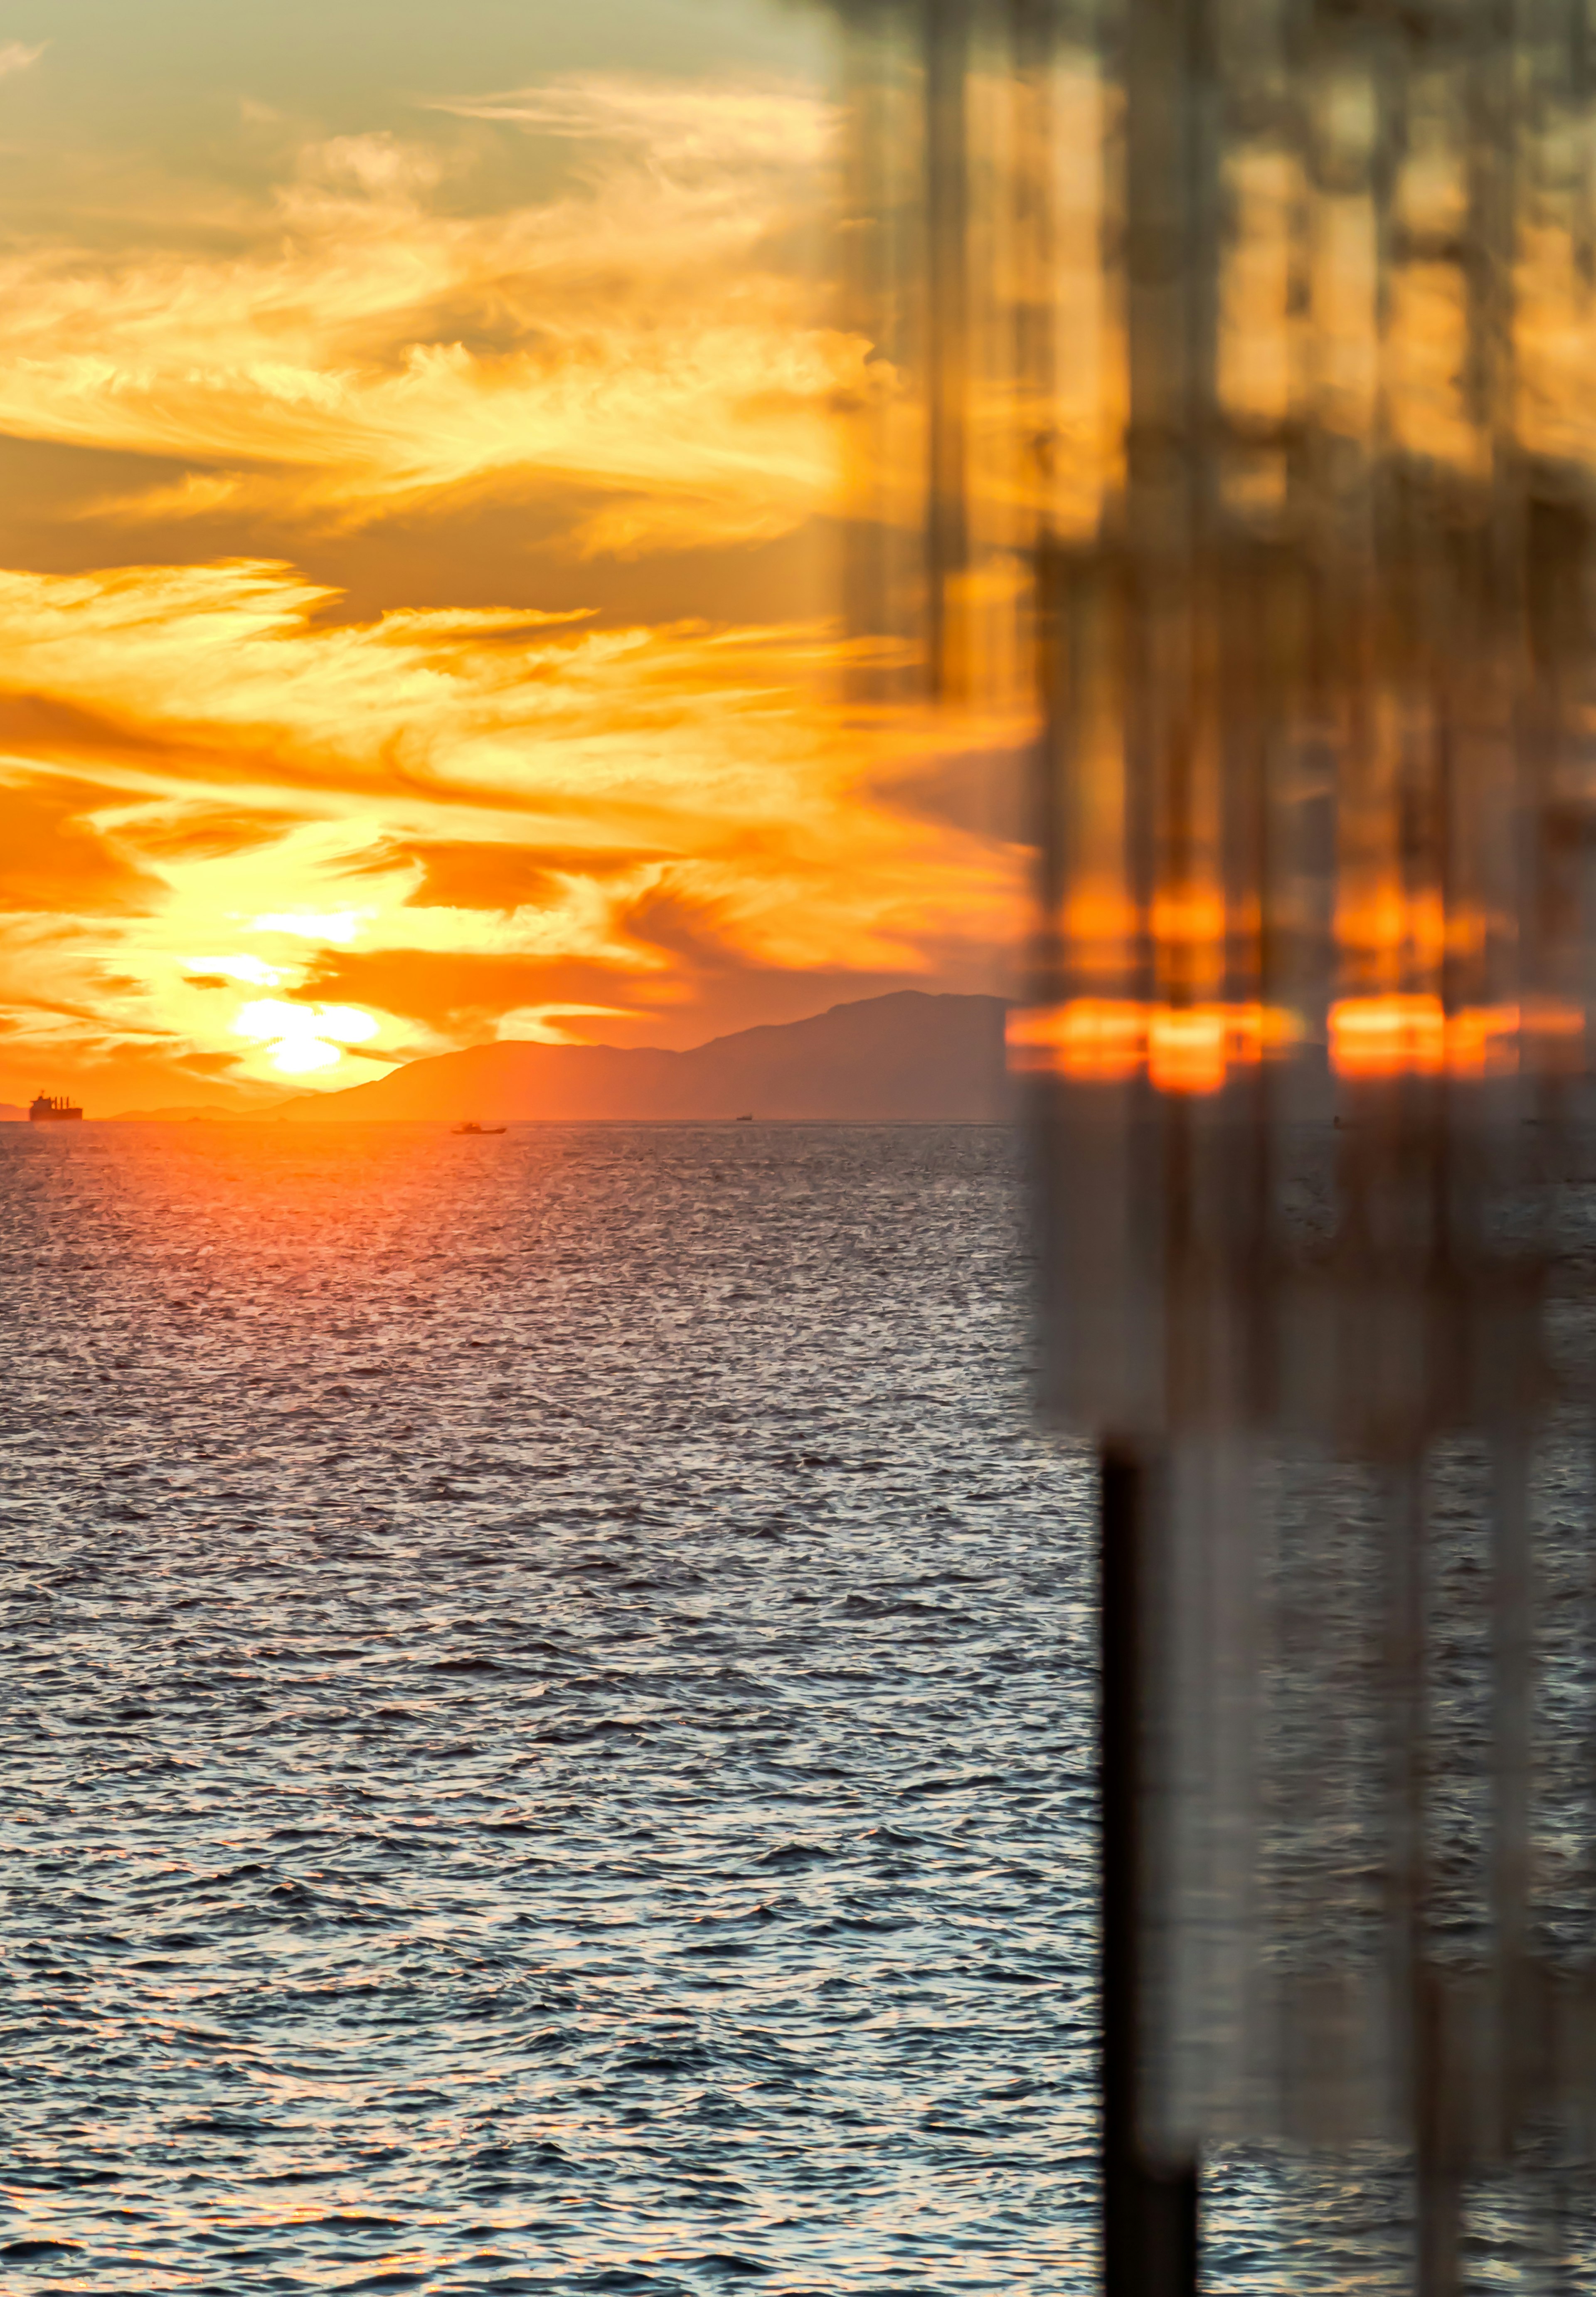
260 829
52 858
565 815
461 873
641 332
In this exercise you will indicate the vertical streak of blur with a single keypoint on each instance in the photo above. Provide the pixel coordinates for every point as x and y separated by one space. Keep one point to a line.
1232 434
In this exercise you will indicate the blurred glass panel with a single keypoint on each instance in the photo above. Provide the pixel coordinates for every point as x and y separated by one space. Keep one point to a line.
1232 428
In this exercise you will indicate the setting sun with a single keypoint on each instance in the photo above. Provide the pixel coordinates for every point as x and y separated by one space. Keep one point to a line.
419 582
301 1039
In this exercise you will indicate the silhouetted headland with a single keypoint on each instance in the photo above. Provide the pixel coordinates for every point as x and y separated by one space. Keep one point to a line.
909 1055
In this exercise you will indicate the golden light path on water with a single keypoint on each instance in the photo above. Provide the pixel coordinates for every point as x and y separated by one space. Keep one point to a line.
546 1693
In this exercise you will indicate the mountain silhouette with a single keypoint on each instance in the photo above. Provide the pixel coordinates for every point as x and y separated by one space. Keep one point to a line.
907 1055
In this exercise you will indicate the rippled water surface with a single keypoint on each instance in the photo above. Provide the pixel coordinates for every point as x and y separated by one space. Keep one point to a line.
547 1715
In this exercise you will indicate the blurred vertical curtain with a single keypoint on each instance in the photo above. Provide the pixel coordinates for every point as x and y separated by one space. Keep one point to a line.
1227 438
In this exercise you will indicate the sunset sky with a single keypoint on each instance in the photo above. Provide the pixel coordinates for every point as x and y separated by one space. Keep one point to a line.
419 534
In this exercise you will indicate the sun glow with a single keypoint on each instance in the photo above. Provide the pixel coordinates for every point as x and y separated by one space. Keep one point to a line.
253 971
339 925
301 1039
569 761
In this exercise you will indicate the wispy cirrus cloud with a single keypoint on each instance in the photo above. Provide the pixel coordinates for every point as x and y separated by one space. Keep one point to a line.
233 792
367 340
17 56
440 817
674 126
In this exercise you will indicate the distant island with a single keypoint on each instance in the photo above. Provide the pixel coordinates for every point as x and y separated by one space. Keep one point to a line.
909 1055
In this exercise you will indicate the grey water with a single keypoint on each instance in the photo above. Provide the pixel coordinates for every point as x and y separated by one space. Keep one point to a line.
546 1705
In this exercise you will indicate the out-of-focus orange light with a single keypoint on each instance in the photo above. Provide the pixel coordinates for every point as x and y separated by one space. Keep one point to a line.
1193 1049
1416 1036
1090 915
1558 1032
1544 1020
1390 920
1189 916
1091 1036
1483 1040
1388 1036
1100 924
1187 1048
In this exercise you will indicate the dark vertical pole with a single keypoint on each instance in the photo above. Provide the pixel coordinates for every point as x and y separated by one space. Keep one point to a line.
1149 2210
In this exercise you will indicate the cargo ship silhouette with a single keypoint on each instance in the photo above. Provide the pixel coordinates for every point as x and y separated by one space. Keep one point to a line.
44 1110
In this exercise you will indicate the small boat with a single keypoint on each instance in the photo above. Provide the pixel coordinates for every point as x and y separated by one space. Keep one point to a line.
744 1120
45 1110
477 1132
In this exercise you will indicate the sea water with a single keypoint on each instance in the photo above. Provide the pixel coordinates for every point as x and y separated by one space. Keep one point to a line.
547 1706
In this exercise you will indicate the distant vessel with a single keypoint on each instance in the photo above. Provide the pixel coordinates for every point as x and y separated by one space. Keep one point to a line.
744 1120
44 1110
470 1131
